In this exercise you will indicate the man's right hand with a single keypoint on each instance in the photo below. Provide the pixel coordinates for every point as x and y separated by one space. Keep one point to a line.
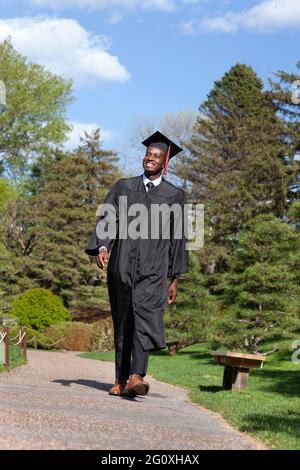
102 259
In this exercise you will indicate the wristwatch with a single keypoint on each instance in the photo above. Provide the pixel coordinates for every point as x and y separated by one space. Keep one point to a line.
102 248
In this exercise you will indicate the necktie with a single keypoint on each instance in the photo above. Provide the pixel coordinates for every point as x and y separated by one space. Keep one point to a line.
150 186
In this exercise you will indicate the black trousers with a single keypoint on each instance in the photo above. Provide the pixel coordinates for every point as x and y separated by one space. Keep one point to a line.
130 357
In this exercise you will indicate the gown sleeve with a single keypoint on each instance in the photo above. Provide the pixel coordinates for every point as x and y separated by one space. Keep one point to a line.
178 254
95 243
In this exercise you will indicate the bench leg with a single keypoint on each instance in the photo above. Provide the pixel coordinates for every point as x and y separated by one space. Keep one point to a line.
241 379
227 378
235 378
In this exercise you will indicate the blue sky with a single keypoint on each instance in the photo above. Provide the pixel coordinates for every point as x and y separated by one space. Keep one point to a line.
132 58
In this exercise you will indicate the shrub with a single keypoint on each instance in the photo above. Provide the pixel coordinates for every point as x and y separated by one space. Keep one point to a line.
74 336
77 336
39 308
102 337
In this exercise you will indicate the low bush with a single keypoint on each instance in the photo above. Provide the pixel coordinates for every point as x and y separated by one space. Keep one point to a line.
38 308
73 336
102 338
77 336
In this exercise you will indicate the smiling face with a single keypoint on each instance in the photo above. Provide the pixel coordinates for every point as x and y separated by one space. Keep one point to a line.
154 161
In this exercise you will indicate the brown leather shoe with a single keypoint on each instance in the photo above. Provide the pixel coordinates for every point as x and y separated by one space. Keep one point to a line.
136 386
118 388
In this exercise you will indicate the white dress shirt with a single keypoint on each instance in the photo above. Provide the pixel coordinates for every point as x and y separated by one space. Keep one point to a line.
146 180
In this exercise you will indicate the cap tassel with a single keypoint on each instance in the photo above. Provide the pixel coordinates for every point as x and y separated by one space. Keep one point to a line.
167 160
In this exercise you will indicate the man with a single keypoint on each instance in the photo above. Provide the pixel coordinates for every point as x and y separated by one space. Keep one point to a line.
140 266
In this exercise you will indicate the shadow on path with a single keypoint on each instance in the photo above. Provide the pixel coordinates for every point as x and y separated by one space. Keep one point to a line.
104 387
87 383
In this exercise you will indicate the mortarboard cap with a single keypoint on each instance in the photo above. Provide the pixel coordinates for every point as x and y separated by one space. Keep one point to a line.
161 141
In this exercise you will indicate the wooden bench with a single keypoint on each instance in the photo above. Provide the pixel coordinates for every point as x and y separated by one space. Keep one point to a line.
236 368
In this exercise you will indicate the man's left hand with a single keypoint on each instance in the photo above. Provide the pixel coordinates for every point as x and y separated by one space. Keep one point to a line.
172 292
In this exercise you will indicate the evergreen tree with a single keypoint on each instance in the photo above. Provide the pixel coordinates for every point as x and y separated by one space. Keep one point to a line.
42 170
105 160
237 165
294 214
261 296
188 320
285 93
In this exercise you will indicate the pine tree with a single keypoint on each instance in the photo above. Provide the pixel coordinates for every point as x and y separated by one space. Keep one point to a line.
104 160
285 93
261 295
237 167
188 320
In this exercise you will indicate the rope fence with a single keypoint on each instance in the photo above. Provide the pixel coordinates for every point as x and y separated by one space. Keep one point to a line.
21 336
5 342
21 340
2 337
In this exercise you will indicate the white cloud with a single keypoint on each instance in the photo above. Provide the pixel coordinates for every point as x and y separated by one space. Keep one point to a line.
167 5
64 47
274 14
266 16
78 129
115 17
221 24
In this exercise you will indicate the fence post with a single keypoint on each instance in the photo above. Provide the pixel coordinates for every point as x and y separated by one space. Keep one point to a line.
24 343
20 342
6 342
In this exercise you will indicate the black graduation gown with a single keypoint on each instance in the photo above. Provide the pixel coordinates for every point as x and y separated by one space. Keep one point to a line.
138 270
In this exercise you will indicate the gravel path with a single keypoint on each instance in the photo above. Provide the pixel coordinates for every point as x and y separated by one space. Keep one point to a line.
60 401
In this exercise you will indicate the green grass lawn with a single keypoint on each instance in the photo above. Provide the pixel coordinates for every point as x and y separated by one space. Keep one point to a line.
15 358
269 408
